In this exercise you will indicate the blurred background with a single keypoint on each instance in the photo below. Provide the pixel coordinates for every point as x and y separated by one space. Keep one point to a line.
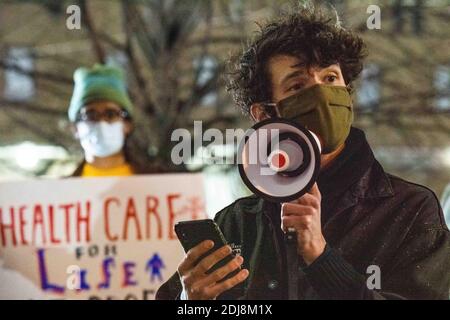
174 52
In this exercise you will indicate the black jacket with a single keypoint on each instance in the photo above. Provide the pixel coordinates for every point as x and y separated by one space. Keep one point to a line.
369 218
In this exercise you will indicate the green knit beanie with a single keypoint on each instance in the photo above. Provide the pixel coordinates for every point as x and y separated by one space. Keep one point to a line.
98 83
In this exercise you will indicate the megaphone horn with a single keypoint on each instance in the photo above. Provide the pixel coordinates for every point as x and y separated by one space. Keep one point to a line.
279 160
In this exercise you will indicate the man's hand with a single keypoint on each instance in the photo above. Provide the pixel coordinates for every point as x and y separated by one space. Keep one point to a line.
198 285
303 215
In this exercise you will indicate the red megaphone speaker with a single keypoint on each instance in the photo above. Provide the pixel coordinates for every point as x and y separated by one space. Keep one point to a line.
279 160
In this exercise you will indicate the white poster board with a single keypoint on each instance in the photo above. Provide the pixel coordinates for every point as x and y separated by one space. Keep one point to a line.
96 238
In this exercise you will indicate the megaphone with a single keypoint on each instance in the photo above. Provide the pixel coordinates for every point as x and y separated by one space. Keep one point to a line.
279 160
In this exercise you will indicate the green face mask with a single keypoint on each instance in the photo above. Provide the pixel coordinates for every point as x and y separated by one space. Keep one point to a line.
325 110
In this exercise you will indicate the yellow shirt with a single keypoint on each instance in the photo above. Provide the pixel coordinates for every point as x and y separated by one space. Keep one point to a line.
91 171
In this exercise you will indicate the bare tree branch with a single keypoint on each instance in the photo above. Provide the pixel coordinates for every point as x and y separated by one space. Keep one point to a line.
36 129
30 107
88 21
37 74
111 41
149 107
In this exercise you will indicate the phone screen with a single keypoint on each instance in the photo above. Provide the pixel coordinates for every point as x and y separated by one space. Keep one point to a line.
192 233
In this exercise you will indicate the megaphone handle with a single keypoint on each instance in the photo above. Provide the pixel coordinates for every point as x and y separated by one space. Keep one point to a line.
292 263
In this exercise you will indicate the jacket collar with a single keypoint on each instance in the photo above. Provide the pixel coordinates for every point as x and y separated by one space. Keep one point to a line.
371 181
355 170
373 184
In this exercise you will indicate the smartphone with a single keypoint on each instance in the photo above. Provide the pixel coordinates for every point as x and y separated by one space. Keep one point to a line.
192 233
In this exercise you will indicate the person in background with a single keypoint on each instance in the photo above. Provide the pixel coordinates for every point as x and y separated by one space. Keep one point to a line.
101 114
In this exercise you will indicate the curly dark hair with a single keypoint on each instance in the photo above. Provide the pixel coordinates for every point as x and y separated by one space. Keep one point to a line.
309 34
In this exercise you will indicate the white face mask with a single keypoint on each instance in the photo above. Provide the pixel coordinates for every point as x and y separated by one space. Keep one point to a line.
101 139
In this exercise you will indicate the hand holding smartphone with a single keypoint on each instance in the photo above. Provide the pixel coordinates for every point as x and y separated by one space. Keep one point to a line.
192 233
209 268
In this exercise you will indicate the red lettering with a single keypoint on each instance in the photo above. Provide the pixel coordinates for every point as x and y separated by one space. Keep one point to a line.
22 223
170 198
38 220
51 215
67 208
10 226
108 201
84 220
131 214
152 205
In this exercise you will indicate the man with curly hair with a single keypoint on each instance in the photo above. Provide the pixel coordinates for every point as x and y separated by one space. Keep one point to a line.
361 233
